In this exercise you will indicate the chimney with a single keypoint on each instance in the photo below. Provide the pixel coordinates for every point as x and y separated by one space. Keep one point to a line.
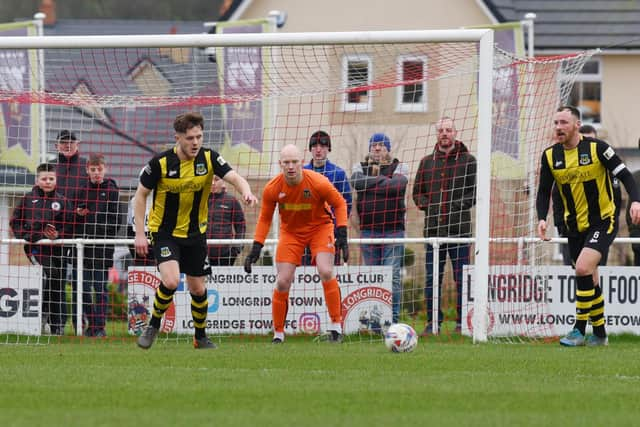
48 7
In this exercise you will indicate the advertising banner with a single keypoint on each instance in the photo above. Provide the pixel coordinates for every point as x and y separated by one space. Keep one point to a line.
20 300
19 120
240 303
242 78
541 300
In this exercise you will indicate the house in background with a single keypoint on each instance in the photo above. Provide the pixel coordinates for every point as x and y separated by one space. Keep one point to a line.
127 136
606 90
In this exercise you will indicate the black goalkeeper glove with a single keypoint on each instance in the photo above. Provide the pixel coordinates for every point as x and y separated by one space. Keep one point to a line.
253 256
341 244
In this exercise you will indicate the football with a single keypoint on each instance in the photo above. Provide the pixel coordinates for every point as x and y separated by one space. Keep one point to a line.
401 338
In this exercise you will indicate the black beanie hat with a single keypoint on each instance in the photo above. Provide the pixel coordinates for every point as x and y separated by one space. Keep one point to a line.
320 137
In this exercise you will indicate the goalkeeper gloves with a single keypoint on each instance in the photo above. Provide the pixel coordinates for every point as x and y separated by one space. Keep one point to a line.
253 256
341 244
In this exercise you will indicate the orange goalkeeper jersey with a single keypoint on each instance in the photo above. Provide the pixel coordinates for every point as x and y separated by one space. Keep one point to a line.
302 207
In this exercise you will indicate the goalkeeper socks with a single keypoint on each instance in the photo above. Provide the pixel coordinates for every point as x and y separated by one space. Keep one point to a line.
161 302
279 308
596 315
333 299
584 298
199 307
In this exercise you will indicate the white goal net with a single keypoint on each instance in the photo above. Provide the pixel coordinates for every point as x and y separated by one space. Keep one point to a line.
115 98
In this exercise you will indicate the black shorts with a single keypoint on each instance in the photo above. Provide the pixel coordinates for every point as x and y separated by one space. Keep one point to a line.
596 237
191 254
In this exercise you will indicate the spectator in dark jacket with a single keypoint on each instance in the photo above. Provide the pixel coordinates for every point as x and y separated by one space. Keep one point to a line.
71 168
71 171
445 189
44 213
98 204
226 221
380 183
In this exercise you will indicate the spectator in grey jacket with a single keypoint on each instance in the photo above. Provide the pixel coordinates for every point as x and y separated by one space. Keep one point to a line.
445 189
380 182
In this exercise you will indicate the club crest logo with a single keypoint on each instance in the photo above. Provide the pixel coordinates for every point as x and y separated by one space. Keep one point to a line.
306 193
141 290
369 308
491 320
138 314
201 169
55 206
165 252
584 159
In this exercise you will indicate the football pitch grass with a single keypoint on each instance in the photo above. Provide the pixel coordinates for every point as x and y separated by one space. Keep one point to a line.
249 382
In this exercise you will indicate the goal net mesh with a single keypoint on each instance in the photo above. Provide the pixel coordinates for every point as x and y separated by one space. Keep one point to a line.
120 103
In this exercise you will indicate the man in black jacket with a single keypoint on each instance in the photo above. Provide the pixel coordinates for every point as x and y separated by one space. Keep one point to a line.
380 183
445 190
226 221
71 172
44 213
98 203
70 168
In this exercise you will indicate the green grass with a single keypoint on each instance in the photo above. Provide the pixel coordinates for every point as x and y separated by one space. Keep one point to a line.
249 382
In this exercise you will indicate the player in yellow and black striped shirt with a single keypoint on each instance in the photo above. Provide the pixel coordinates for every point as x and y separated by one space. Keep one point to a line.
582 167
180 179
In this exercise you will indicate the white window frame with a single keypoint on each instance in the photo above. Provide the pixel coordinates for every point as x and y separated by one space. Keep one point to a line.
410 107
356 106
592 78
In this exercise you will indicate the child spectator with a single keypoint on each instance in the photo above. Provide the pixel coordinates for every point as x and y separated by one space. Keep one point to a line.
44 213
98 202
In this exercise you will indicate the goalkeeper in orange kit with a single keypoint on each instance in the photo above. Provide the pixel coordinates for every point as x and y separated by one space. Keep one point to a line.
304 199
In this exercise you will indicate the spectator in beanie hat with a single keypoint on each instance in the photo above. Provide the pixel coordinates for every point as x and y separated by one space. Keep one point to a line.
319 147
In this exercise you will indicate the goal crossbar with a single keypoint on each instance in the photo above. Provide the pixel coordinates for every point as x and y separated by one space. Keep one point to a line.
226 40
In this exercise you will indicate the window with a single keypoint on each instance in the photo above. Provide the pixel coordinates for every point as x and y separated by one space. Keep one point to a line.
411 95
356 74
586 91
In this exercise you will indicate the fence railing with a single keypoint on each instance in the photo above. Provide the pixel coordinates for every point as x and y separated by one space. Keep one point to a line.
80 244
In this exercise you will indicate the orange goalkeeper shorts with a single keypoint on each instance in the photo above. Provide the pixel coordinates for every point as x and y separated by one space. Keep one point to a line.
291 245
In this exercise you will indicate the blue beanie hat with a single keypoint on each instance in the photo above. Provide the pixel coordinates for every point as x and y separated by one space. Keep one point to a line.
380 137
